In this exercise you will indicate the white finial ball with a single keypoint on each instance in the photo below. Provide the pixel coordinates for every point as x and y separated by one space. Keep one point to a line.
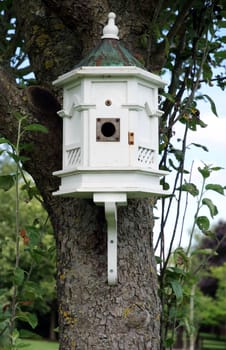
110 31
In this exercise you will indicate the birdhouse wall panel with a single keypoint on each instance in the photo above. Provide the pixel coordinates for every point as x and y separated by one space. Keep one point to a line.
72 156
144 128
108 151
154 122
132 93
72 128
85 130
147 94
108 94
86 88
147 147
132 128
72 97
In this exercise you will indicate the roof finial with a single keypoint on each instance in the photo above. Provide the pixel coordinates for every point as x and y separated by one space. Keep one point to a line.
110 31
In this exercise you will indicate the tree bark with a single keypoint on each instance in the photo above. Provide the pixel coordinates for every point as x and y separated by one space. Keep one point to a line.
92 314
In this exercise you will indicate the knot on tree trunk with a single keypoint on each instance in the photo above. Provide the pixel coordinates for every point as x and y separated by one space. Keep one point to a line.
137 317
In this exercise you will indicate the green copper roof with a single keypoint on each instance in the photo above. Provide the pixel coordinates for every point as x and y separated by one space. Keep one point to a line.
110 53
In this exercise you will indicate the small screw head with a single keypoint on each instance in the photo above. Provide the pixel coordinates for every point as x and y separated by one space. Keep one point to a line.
108 103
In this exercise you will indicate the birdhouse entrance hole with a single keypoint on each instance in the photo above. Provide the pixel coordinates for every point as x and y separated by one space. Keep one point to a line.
108 129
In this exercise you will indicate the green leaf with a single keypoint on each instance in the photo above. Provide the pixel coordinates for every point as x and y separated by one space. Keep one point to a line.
18 276
31 319
204 171
15 335
180 255
158 259
207 71
17 158
166 186
223 39
26 146
216 188
212 105
175 271
222 23
25 333
178 154
216 168
34 235
207 251
169 97
203 223
212 207
19 116
177 289
3 140
171 163
201 146
6 182
37 128
201 123
169 342
190 188
210 234
220 54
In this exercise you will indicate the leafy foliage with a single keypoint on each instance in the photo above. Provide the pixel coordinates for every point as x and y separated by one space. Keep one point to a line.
212 310
177 278
26 244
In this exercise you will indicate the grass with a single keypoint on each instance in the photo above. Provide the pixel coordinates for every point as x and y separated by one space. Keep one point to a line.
212 342
39 345
213 345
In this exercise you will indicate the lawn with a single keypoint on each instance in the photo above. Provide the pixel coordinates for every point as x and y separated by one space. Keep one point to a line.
40 345
210 341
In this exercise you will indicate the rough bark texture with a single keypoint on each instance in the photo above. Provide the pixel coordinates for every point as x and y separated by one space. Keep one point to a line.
92 315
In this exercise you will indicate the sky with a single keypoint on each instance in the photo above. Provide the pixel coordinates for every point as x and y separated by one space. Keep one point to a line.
214 138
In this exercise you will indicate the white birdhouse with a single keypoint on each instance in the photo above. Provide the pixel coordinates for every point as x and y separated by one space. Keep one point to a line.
110 129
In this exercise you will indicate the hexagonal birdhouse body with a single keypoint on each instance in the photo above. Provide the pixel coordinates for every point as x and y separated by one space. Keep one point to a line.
110 132
110 124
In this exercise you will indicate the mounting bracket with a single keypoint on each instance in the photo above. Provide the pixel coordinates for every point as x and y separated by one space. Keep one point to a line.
110 201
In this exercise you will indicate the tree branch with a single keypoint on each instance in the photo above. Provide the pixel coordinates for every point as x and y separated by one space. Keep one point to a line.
180 20
11 101
32 102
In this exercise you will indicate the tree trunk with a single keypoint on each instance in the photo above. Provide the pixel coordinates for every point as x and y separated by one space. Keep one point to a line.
92 314
53 322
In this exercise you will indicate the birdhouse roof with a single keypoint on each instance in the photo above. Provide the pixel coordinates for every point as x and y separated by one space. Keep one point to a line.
109 58
110 52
